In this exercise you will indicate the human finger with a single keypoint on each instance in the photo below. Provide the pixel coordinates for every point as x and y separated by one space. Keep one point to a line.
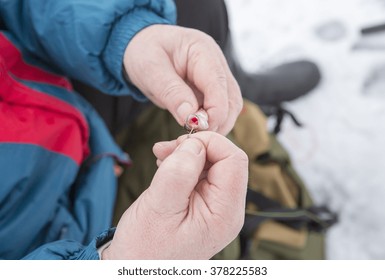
235 102
229 165
163 149
207 73
177 176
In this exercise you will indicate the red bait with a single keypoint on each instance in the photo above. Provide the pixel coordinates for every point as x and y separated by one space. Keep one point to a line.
196 122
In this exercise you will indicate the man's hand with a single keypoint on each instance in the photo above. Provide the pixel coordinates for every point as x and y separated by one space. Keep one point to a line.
182 70
194 206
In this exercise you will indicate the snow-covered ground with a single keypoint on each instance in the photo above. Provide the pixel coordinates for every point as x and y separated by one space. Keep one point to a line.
340 153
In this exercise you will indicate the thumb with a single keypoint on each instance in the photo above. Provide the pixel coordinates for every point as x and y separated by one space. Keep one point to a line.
164 86
177 176
174 94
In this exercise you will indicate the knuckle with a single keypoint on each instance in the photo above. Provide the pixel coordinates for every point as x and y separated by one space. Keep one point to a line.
201 36
217 85
242 157
236 100
221 77
236 103
171 90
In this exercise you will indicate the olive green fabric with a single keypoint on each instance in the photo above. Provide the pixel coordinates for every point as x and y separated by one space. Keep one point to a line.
270 173
152 126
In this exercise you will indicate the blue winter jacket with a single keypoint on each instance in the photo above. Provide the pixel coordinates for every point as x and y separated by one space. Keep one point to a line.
57 184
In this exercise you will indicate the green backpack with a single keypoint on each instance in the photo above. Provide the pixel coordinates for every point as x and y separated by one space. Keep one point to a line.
281 220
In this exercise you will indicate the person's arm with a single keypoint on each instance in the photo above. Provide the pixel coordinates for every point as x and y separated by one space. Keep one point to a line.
101 43
84 40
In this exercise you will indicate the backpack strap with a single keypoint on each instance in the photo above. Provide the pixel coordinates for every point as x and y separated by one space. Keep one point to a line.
314 218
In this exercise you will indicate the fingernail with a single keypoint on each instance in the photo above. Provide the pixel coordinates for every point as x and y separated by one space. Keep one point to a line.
192 146
184 110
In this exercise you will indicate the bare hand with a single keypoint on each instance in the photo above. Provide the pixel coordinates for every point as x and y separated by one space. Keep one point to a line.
182 70
194 206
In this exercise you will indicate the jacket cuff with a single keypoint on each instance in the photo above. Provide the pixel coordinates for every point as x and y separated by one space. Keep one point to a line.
124 30
91 251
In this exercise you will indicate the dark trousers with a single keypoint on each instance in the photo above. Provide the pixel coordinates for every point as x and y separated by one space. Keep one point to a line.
209 16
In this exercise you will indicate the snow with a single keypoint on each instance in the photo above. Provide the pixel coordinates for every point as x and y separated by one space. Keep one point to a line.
340 152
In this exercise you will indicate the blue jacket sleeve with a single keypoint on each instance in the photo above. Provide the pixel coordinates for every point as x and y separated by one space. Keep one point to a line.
84 39
71 250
